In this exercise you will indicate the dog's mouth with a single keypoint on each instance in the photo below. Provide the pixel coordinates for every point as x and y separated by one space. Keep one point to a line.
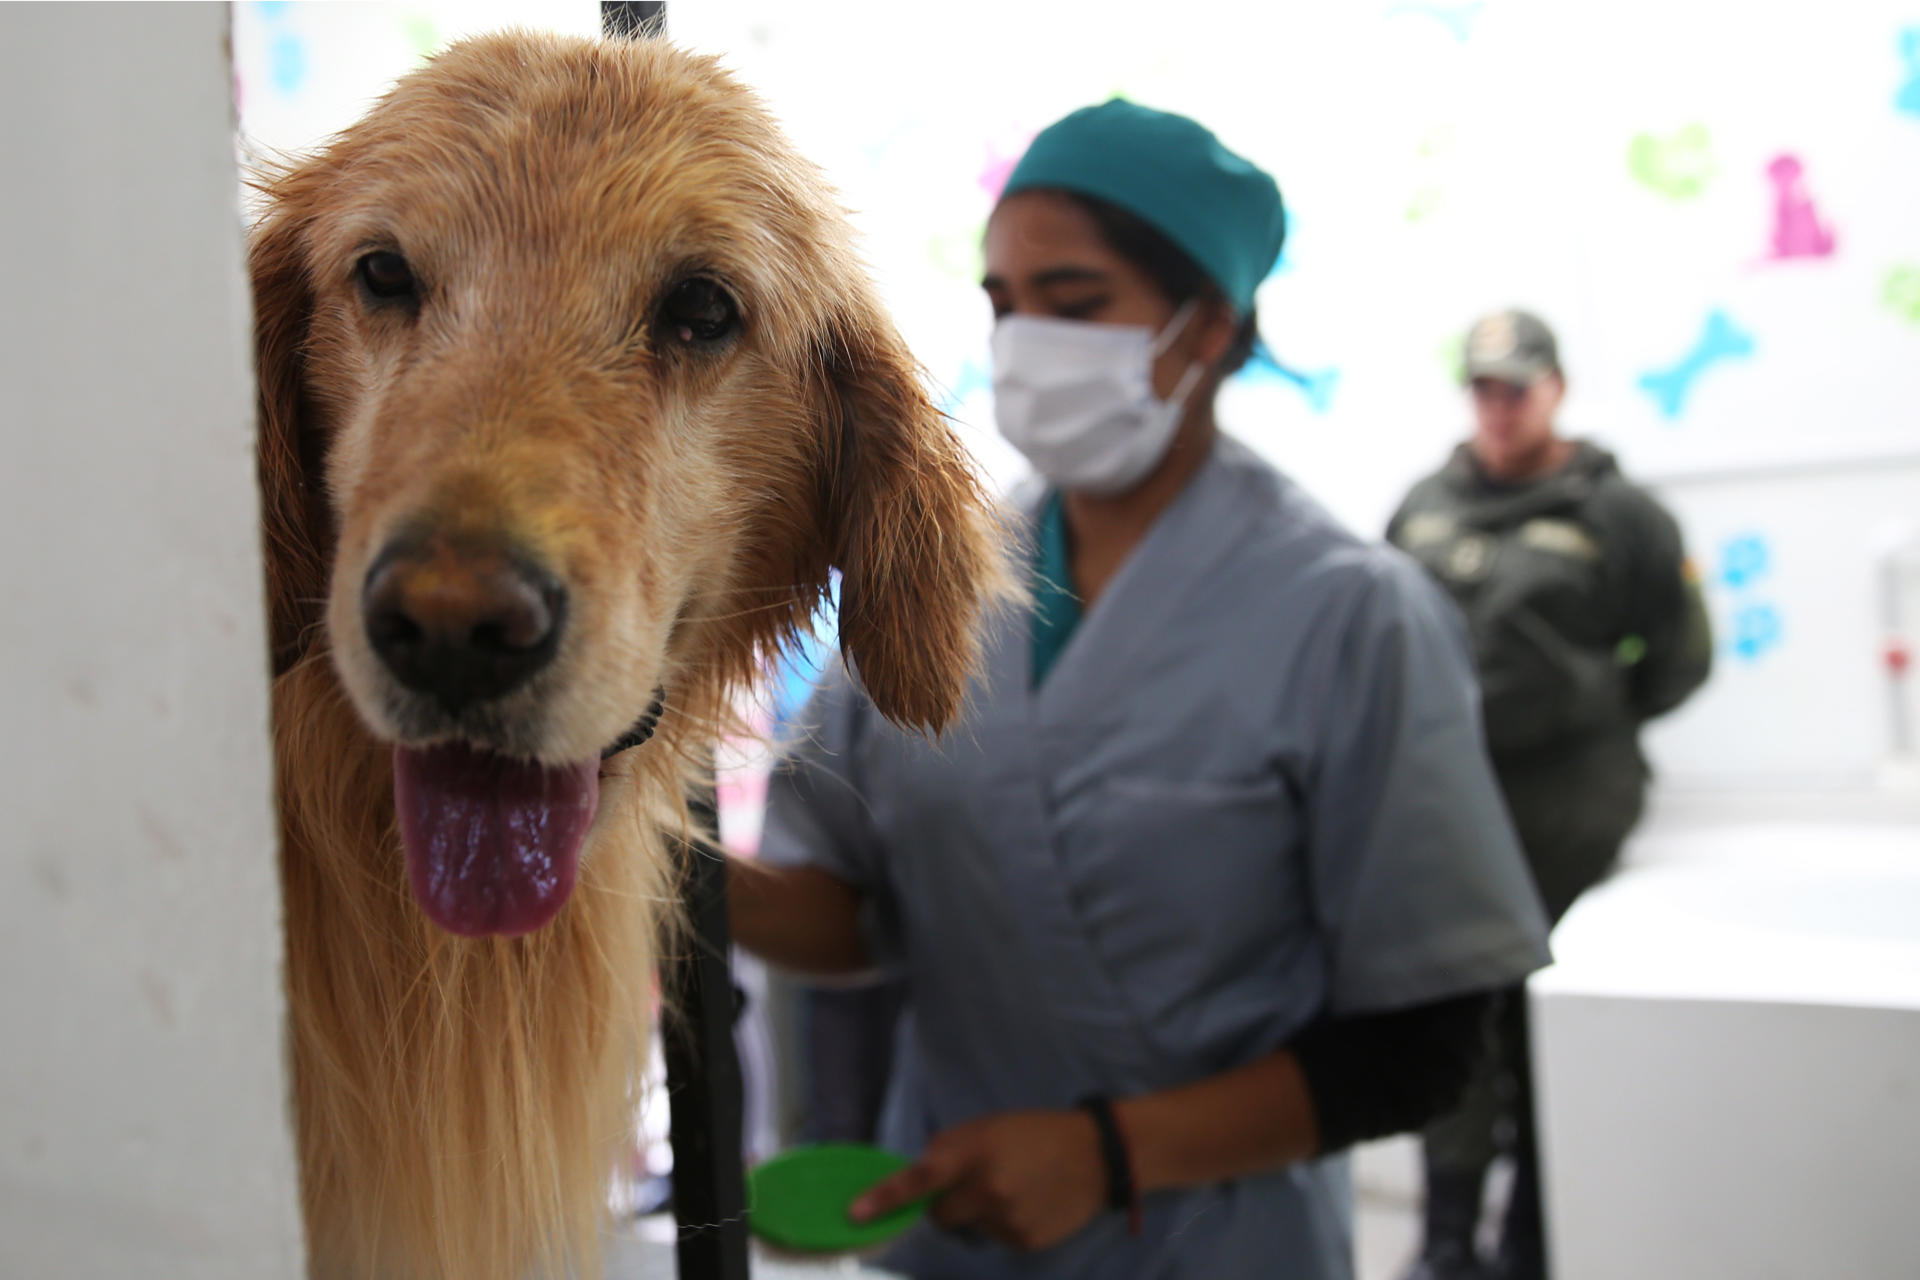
492 842
642 728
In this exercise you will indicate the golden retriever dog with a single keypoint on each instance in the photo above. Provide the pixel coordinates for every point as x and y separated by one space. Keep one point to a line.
572 394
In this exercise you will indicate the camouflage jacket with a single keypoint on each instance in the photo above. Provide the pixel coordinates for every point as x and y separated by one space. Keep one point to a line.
1584 614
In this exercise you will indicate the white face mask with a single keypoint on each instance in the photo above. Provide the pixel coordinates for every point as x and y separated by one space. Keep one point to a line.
1077 398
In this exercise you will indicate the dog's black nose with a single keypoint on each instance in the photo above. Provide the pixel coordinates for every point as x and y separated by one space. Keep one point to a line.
462 624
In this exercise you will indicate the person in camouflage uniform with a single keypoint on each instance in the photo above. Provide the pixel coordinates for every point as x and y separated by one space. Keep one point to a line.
1586 622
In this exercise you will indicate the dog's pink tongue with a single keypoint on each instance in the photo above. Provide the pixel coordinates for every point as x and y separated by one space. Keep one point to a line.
492 844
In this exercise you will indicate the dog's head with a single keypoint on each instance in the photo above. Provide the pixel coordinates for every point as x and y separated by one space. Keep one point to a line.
573 393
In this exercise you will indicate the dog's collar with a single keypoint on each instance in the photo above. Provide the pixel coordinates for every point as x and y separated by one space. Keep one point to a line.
642 728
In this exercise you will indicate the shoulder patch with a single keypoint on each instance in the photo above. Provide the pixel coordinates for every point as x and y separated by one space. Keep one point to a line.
1560 538
1427 528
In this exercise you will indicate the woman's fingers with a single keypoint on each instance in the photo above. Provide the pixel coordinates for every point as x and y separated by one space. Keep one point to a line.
933 1173
965 1206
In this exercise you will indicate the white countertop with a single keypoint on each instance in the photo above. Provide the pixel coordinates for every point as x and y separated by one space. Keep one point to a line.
1785 911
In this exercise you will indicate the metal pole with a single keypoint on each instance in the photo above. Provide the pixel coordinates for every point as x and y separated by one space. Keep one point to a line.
703 1069
703 1075
630 20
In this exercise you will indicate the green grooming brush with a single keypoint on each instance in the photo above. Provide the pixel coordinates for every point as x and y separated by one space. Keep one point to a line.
799 1199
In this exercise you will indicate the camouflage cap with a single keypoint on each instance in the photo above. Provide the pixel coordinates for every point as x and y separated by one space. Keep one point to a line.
1511 346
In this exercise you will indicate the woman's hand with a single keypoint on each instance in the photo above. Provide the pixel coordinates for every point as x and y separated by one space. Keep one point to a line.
1029 1179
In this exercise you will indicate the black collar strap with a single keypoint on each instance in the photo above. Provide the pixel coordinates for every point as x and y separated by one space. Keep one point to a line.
642 728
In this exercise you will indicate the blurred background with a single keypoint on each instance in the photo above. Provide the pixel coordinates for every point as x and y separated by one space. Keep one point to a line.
1717 207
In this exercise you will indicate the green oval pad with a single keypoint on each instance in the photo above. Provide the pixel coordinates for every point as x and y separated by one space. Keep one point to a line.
798 1200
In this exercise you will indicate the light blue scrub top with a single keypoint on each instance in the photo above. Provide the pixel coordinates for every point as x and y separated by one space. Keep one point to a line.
1252 790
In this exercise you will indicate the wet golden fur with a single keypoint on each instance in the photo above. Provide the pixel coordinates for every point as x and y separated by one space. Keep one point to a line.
460 1103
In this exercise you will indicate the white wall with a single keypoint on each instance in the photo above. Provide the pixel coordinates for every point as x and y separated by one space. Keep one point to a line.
1419 195
1792 562
304 69
1610 165
143 1127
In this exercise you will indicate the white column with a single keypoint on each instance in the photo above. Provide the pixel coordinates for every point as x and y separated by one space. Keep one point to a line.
143 1084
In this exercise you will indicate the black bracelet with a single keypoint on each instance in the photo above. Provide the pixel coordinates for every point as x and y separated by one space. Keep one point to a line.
1121 1192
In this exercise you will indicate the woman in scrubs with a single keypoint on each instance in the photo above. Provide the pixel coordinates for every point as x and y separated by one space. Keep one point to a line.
1213 879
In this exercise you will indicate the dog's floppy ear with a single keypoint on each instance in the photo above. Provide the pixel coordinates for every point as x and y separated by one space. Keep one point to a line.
296 523
909 526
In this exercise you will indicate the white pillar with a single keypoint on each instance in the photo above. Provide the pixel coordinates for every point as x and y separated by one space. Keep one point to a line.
143 1084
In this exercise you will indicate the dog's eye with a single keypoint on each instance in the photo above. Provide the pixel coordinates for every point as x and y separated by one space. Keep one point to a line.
698 311
386 277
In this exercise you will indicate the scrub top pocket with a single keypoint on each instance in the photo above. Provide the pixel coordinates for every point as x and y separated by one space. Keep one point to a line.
1190 890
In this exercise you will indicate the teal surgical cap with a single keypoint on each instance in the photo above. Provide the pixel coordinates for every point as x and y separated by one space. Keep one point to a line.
1172 173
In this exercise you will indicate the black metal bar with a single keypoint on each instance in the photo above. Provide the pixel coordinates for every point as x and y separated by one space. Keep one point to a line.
703 1067
703 1079
628 20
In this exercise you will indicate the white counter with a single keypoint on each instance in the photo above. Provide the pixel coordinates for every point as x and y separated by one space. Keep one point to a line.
1728 1051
